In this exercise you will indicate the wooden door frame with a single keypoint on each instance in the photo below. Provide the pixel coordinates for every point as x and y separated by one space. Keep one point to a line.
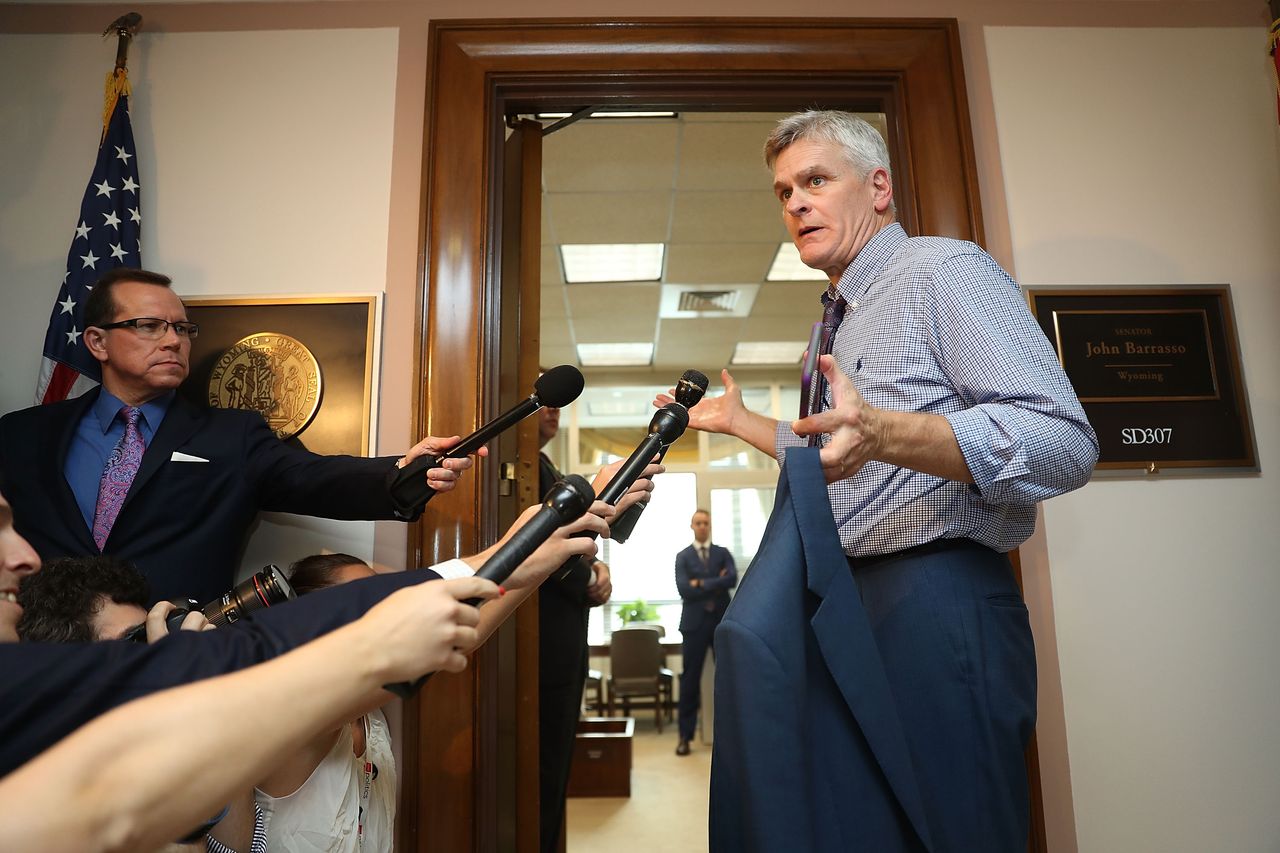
482 70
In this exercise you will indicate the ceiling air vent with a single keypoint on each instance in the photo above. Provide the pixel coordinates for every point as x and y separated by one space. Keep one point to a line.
708 300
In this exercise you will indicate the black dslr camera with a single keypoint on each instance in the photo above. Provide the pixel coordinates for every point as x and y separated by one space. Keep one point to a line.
264 589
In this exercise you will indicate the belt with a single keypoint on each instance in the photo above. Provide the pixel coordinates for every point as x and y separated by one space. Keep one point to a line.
933 547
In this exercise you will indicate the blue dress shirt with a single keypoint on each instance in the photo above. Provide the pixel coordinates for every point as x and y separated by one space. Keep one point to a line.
97 434
935 325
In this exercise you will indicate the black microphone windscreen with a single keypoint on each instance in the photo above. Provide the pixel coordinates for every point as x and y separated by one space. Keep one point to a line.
692 385
559 386
576 500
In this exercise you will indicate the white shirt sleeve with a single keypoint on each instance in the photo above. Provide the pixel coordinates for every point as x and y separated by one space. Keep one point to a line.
456 568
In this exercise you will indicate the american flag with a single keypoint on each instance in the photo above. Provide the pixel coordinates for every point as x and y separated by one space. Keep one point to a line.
106 236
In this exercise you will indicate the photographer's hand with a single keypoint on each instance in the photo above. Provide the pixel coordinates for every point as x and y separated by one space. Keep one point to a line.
158 628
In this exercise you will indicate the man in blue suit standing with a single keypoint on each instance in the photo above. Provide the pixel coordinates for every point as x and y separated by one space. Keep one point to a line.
704 575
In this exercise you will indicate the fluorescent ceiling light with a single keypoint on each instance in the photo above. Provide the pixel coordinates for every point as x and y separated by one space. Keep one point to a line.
615 355
787 266
768 352
594 262
620 114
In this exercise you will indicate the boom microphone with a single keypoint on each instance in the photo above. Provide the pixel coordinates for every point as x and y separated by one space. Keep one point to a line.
558 387
689 391
566 502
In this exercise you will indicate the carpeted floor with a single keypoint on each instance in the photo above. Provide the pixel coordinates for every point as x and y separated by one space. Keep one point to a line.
667 809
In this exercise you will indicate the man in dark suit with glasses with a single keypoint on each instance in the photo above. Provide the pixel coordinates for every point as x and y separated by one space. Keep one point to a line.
131 470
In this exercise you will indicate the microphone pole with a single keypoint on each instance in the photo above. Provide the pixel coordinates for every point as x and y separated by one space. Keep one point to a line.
558 387
566 502
689 391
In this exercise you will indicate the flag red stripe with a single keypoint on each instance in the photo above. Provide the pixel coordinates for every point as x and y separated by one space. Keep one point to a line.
60 383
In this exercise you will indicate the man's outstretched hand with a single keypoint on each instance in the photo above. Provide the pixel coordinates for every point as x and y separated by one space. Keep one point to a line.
855 426
444 478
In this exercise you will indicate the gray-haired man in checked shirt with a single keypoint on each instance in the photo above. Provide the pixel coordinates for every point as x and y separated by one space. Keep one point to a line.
945 417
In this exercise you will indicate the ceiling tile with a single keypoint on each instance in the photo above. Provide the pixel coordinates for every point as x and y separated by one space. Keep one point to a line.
555 330
610 217
702 344
724 156
554 353
790 299
608 301
621 154
718 263
779 327
625 327
745 216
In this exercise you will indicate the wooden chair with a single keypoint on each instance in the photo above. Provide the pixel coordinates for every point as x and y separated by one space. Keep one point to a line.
593 691
635 655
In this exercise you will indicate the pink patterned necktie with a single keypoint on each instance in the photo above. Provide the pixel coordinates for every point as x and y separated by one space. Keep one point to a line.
117 477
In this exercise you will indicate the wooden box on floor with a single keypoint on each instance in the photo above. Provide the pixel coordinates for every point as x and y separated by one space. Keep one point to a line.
602 757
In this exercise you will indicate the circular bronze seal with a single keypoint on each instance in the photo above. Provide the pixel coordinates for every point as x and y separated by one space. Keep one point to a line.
272 374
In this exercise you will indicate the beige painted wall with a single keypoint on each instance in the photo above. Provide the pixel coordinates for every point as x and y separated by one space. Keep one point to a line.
1154 162
1165 678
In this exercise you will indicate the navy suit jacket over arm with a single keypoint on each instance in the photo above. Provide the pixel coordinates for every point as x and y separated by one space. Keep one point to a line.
809 750
183 523
49 690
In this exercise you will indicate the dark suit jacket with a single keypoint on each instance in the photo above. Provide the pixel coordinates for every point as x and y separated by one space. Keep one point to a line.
814 756
183 523
714 587
49 690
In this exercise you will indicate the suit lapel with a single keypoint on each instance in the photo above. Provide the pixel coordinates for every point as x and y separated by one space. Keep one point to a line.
56 444
179 423
844 636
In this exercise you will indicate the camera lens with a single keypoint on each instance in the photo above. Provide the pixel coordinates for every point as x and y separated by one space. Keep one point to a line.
263 589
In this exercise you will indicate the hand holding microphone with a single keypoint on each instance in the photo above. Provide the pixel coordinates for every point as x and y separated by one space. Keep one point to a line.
409 487
564 504
688 393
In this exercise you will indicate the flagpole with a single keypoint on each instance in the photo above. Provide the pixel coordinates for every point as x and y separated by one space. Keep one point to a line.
107 234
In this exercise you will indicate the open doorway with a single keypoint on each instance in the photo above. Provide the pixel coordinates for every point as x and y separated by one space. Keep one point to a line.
482 72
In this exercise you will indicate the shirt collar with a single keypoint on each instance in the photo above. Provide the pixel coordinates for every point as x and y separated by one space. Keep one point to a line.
868 263
697 544
107 406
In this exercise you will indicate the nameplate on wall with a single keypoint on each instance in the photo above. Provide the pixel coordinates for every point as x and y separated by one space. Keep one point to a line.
1157 370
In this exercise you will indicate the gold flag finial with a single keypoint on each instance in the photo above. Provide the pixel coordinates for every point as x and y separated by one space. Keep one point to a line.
125 27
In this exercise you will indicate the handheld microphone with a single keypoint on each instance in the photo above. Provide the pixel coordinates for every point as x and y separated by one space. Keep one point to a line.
566 502
558 387
667 424
689 391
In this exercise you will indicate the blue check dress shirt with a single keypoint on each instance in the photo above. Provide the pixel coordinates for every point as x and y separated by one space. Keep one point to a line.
935 325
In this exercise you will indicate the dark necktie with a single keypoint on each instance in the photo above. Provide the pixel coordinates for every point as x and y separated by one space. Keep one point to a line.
704 556
117 477
832 313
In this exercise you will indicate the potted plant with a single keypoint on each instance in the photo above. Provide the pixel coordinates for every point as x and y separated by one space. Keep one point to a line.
637 611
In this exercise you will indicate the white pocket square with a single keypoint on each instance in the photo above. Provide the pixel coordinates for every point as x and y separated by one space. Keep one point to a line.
179 456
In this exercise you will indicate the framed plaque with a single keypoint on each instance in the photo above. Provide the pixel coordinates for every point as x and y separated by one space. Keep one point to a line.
1157 370
304 362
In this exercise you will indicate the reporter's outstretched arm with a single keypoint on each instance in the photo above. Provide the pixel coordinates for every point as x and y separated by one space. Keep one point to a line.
551 555
144 774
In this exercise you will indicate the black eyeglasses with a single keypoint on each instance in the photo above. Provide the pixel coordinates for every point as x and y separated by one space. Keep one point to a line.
153 328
